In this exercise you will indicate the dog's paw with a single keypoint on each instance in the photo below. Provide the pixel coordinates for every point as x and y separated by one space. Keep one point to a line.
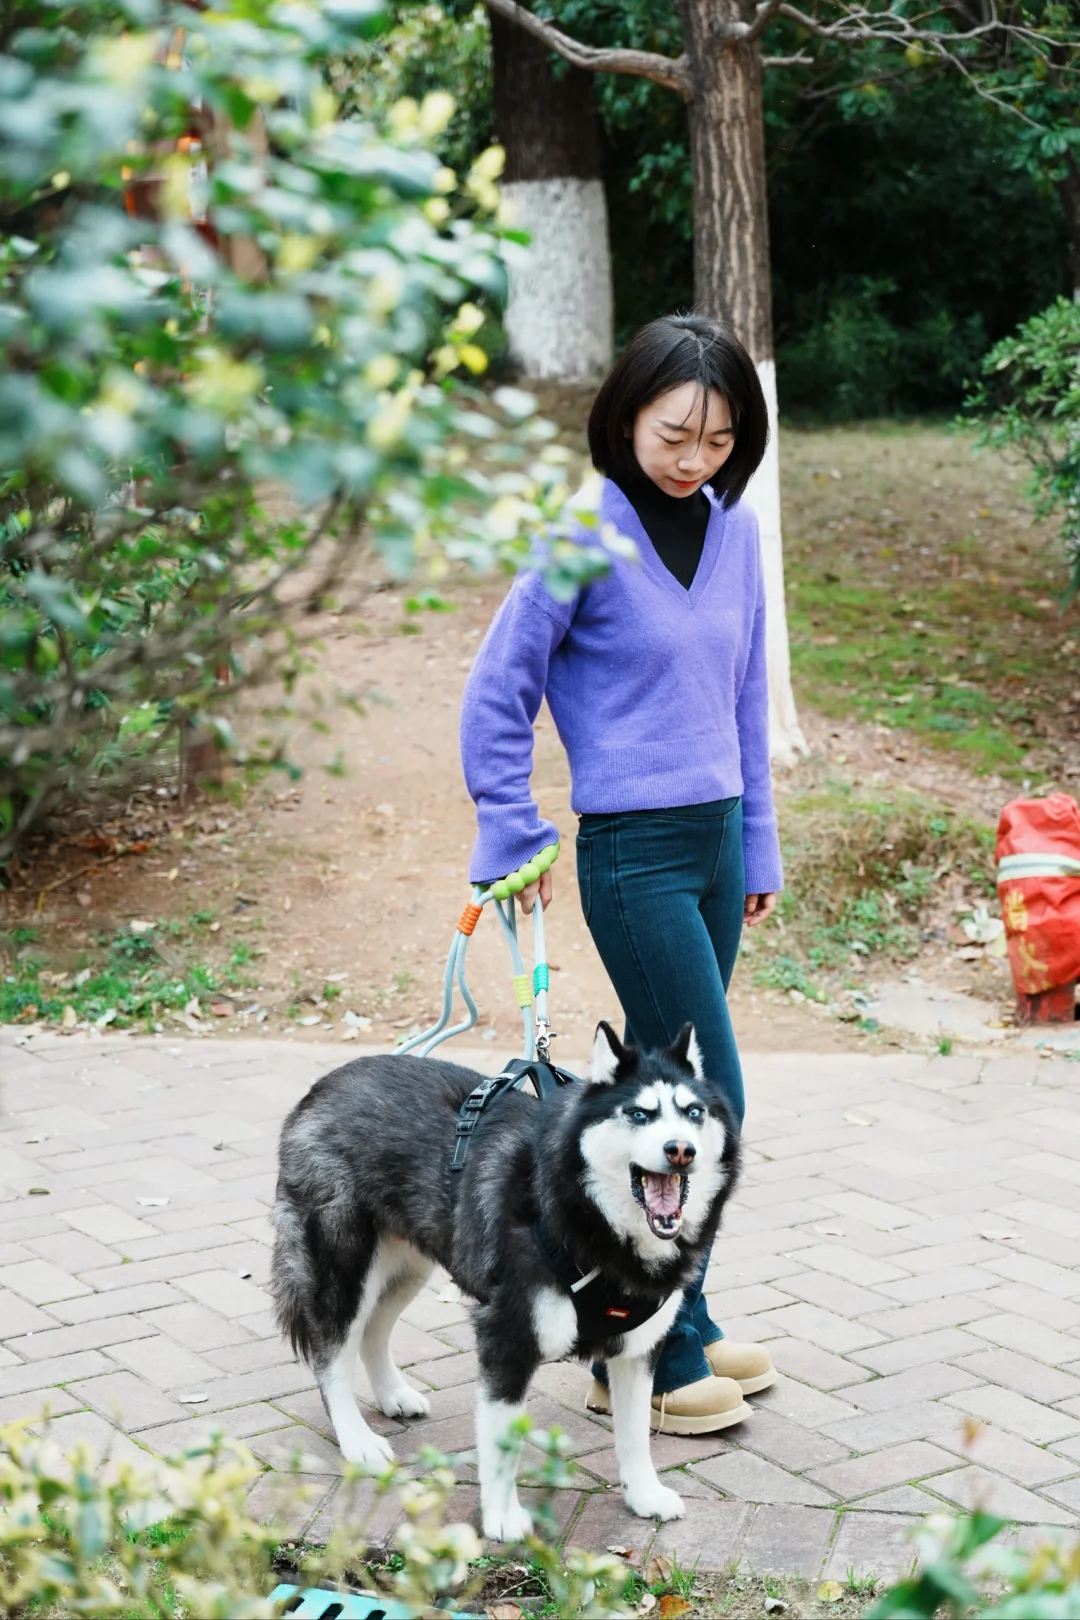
512 1524
654 1501
405 1402
367 1450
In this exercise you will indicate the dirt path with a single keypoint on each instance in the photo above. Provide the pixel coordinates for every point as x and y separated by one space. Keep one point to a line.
339 894
354 881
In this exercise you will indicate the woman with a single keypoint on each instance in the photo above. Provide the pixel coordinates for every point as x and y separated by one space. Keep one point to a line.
655 676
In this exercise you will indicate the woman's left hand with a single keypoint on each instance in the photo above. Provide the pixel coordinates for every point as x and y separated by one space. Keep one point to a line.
757 907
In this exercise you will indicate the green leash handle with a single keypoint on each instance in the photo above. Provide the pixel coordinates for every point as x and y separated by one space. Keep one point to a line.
514 882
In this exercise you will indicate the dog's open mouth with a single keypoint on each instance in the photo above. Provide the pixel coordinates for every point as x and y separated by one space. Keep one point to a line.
661 1197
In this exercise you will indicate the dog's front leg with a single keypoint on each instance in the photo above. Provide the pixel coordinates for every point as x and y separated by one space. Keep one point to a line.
498 1451
631 1390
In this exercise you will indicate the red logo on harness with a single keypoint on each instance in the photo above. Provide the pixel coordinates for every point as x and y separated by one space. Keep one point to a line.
613 1310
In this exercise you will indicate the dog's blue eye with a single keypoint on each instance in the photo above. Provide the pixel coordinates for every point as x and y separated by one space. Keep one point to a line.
695 1114
639 1116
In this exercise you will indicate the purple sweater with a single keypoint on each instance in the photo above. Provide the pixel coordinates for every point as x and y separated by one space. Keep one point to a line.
659 695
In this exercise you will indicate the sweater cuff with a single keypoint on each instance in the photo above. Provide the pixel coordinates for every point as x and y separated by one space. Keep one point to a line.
508 836
761 857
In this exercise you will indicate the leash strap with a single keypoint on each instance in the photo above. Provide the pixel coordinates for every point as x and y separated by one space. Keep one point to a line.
518 1072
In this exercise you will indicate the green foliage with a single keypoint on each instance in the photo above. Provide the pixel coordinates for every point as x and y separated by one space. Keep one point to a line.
85 1539
1030 395
206 409
176 1537
929 240
961 1573
427 47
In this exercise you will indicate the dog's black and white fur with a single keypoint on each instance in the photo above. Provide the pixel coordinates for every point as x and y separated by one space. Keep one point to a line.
629 1172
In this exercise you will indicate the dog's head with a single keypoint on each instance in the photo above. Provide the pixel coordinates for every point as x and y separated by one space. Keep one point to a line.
659 1145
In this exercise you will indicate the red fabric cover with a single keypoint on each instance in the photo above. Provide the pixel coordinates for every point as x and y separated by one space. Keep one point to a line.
1042 914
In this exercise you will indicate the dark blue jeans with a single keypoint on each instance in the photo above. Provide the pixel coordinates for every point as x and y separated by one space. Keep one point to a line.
662 892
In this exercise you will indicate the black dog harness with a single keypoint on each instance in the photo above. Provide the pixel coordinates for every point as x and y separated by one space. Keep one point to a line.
603 1311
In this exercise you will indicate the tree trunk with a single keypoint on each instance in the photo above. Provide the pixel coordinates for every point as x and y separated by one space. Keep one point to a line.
559 318
732 283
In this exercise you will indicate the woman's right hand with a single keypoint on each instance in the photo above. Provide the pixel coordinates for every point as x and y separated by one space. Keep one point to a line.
542 887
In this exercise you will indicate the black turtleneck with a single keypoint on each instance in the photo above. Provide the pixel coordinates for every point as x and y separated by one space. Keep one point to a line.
675 524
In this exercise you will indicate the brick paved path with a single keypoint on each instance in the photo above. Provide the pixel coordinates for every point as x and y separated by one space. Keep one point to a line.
905 1237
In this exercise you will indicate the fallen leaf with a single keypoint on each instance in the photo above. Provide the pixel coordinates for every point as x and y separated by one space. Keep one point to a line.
450 1293
37 1192
220 1009
106 1018
139 925
620 1552
647 1604
670 1606
310 1018
286 904
193 1009
658 1569
830 1592
70 1018
85 899
505 1611
171 877
857 1119
215 927
350 1035
28 1014
194 1399
152 1203
829 1231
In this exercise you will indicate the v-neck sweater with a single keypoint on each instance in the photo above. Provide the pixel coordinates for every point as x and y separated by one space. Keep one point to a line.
659 694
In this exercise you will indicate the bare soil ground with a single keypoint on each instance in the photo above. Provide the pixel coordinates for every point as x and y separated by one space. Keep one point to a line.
340 892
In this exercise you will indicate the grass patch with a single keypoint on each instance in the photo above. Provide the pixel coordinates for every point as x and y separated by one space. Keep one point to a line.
921 595
863 874
126 979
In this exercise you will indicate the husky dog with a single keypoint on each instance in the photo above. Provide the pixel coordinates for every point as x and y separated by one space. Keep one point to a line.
610 1191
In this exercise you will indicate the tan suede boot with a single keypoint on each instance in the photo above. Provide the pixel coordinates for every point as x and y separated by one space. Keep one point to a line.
750 1365
701 1408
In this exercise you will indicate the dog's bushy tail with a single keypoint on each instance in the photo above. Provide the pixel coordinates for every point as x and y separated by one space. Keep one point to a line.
293 1277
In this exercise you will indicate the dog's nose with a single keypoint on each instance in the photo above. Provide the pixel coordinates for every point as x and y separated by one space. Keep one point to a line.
680 1153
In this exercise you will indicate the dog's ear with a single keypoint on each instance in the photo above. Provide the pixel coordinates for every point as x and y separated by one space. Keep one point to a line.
607 1053
687 1052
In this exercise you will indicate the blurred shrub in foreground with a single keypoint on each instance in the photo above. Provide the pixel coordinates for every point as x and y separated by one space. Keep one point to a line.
230 319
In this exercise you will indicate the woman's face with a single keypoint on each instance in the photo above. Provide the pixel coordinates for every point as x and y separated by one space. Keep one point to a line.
671 444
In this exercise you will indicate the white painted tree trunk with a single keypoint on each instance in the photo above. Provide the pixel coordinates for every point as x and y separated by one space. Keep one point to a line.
559 319
786 741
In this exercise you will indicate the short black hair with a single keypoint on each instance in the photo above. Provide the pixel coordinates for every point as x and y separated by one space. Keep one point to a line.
673 350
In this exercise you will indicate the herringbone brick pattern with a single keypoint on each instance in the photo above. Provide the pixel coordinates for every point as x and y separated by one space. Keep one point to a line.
905 1239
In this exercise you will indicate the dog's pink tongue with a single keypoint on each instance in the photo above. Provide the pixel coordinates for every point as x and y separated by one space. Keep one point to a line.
661 1193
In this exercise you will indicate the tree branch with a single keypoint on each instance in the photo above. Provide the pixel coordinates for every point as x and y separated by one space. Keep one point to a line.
766 11
673 72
